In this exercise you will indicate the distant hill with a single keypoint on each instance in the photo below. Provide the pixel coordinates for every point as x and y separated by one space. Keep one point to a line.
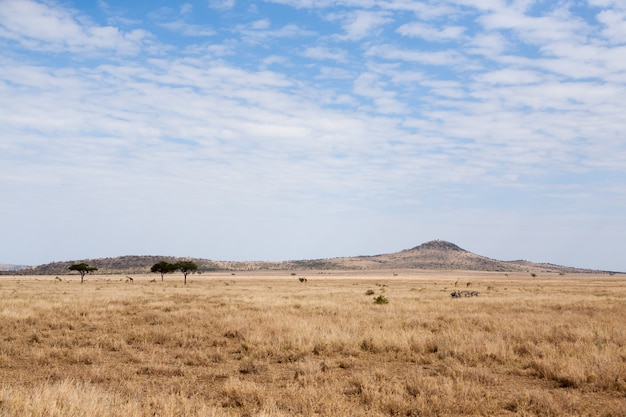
443 255
11 267
436 255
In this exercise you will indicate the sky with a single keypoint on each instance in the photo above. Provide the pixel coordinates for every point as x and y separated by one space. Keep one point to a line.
303 129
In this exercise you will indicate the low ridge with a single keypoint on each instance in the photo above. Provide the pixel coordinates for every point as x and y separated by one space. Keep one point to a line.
433 255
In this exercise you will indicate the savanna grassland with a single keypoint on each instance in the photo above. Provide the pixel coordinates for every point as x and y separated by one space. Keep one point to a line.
265 344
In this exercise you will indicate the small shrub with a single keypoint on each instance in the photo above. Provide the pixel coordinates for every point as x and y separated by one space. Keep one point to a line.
381 299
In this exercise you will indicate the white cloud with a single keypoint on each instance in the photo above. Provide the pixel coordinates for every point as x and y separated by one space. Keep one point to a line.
369 85
490 45
222 4
335 73
482 5
42 27
511 77
431 33
449 89
440 58
277 123
614 25
423 10
188 29
260 24
177 21
559 25
322 53
261 31
618 4
360 24
186 8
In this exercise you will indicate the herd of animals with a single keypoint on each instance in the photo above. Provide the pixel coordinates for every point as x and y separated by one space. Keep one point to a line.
453 294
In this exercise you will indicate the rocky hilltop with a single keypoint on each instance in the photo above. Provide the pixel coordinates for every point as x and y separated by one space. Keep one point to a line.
433 255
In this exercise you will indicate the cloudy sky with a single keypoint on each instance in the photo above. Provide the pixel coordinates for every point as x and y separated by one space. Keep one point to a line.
301 129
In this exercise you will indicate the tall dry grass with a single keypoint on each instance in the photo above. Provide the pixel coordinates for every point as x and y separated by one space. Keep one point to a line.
268 345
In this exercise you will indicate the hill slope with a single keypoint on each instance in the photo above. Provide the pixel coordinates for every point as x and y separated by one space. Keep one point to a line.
436 255
442 255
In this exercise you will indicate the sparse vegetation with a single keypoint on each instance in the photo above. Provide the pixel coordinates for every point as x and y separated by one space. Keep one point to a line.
546 347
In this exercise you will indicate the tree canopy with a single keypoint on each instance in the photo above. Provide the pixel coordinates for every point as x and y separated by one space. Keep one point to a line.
82 269
186 267
163 268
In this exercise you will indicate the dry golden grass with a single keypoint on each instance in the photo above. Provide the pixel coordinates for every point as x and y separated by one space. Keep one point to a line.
268 345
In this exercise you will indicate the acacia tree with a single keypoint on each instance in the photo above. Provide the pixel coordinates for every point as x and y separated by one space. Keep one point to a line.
163 268
82 269
186 267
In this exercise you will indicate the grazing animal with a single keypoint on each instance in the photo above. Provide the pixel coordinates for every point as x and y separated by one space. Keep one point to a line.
469 284
458 294
456 282
130 278
302 279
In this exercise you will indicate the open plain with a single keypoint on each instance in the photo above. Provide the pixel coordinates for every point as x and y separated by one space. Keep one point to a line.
267 344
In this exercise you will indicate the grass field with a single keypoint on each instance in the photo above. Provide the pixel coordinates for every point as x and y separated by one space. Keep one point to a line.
268 345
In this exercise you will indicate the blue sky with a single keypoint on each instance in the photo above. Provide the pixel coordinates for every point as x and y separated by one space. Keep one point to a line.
301 129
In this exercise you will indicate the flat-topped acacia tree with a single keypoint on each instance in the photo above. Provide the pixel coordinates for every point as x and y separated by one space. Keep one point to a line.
186 267
82 269
163 268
